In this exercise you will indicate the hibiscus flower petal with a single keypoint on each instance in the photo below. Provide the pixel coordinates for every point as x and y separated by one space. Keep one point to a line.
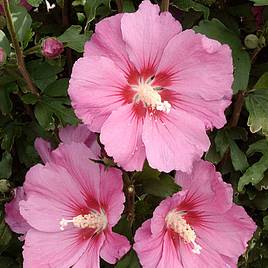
114 247
204 184
48 198
59 250
111 194
121 135
200 71
145 34
96 89
174 140
43 148
107 41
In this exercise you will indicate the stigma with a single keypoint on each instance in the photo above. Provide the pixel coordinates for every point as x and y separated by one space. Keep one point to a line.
94 220
149 95
176 222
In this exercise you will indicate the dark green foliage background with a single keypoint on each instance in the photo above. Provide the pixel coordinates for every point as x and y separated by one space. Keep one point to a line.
240 149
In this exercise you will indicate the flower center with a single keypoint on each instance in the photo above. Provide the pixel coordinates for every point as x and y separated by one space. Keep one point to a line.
95 220
178 224
150 96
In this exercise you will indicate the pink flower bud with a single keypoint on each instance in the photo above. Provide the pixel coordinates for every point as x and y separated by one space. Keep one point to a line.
52 48
2 56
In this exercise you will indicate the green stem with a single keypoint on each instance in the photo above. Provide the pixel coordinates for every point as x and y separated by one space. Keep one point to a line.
119 4
164 5
18 50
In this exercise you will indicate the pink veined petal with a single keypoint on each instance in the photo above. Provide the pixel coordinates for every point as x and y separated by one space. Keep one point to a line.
76 159
170 255
195 71
121 136
204 184
107 41
111 194
80 134
147 247
227 234
43 148
114 247
211 112
13 217
207 258
52 194
145 34
91 256
174 140
57 250
200 71
97 88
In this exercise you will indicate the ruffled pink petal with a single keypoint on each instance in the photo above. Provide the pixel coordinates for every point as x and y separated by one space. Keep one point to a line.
208 257
13 217
111 194
52 194
148 248
145 34
199 70
121 135
76 159
227 234
57 250
91 257
107 41
174 140
43 148
80 134
206 189
97 88
114 247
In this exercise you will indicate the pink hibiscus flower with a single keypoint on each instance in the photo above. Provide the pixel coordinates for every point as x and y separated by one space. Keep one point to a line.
151 89
72 205
13 217
197 227
67 135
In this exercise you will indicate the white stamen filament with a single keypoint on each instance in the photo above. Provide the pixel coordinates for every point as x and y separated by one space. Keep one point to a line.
95 220
178 224
149 95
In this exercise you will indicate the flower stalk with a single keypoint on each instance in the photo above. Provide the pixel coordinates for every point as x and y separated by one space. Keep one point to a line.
18 50
165 5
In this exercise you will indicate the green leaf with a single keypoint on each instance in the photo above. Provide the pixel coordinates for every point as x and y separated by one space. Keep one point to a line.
73 39
35 3
8 134
260 2
255 173
5 234
4 43
50 108
91 7
257 106
216 30
43 73
6 166
22 21
265 223
5 101
186 5
128 6
29 98
58 88
7 262
225 139
130 261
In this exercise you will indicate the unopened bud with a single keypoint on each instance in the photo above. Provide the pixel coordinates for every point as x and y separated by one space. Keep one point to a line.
2 56
52 48
4 186
251 41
